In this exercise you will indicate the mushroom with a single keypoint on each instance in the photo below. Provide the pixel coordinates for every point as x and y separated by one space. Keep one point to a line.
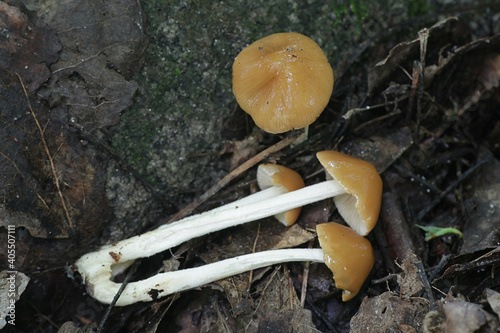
348 255
284 81
99 267
274 176
360 204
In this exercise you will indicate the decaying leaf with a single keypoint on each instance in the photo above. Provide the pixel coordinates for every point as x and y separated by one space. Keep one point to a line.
384 313
465 317
483 229
21 219
293 236
50 176
26 50
493 298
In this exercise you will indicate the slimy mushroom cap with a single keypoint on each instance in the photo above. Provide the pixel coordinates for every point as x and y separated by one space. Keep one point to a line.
360 205
348 255
284 81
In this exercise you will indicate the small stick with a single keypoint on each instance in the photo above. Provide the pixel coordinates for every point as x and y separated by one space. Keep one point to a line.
425 281
305 278
127 279
250 278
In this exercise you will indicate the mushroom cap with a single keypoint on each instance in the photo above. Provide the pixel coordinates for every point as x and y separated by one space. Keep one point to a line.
348 255
284 81
360 205
277 175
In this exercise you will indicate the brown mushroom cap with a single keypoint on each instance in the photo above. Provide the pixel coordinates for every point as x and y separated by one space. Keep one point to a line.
277 175
348 255
284 81
360 205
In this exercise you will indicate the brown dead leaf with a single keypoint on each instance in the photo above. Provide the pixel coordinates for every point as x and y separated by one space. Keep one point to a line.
21 219
385 313
49 176
292 237
102 46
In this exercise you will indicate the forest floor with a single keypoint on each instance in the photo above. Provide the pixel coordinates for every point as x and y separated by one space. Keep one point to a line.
116 119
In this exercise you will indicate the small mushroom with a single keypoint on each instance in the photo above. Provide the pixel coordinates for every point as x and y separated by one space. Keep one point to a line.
360 204
284 81
347 254
277 176
273 180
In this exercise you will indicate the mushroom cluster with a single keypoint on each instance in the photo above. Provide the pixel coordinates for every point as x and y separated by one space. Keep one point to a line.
283 81
283 192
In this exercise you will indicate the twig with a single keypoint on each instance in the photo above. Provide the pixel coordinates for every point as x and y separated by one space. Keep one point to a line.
12 162
291 290
444 260
250 278
425 281
305 278
233 174
276 270
47 151
127 279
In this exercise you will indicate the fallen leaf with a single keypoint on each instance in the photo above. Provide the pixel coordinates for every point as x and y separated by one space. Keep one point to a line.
493 298
465 317
385 313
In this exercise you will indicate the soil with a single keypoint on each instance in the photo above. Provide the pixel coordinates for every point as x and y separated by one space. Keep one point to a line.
117 117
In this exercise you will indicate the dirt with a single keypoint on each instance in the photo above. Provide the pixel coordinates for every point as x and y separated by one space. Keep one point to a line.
114 117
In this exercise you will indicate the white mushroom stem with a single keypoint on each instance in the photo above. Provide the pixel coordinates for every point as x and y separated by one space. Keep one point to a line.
96 267
167 283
